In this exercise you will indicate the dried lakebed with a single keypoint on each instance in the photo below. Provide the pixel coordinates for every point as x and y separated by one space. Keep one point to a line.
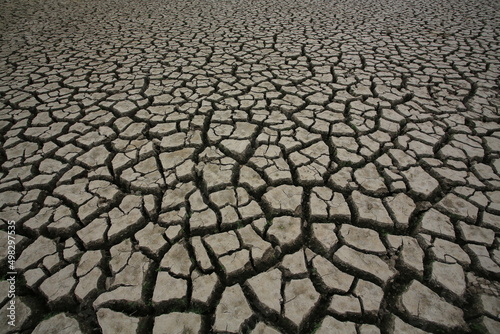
250 166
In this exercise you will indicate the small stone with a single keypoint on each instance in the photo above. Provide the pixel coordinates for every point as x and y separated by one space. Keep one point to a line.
144 176
150 204
229 215
10 198
311 174
176 196
494 198
174 141
346 156
40 220
133 130
484 172
419 301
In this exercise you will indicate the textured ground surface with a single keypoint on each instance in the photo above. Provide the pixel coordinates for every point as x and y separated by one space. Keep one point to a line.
251 166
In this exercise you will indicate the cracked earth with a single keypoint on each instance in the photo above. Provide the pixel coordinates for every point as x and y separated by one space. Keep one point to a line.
254 166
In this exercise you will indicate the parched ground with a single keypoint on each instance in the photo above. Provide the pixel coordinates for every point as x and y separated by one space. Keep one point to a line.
255 166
